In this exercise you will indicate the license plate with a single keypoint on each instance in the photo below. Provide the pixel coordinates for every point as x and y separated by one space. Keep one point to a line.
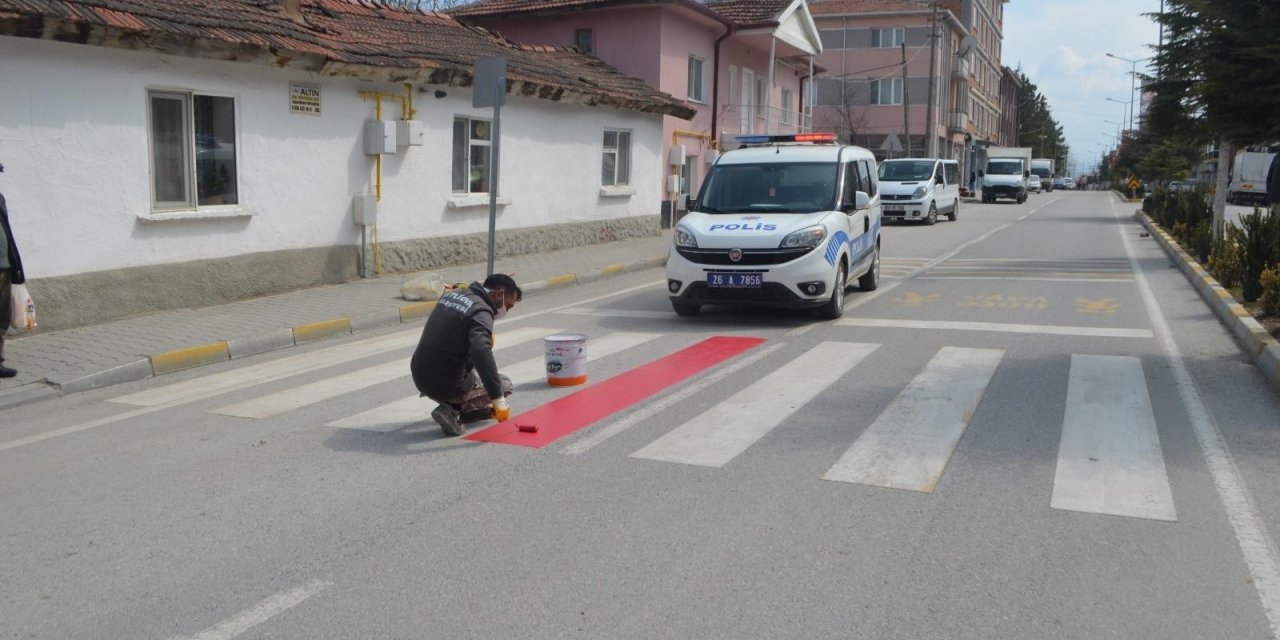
735 280
894 207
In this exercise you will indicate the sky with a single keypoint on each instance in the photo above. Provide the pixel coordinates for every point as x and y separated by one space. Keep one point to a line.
1062 45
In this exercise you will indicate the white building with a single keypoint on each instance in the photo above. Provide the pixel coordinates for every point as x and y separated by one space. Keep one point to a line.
147 168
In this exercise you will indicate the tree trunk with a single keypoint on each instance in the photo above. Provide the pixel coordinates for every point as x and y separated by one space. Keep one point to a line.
1226 152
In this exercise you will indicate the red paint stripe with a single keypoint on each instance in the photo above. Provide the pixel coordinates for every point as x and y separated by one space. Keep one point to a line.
567 415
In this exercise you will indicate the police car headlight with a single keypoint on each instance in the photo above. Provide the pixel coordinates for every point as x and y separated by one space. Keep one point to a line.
810 237
920 191
685 239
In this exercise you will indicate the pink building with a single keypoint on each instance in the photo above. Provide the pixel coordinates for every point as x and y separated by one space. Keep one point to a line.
743 65
875 99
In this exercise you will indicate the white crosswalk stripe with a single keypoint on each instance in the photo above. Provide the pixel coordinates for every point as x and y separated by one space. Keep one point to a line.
721 433
909 444
414 409
298 397
1109 460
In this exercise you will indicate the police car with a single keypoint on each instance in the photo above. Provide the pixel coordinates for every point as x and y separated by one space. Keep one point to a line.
785 221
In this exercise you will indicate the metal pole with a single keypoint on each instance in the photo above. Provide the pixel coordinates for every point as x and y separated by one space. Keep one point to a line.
493 171
1133 85
931 129
906 108
768 96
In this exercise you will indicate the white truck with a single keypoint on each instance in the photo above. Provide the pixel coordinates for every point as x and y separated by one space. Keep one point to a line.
1006 173
1249 177
1043 167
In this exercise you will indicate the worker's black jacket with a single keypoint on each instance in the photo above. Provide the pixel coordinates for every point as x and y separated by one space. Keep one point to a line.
16 274
458 337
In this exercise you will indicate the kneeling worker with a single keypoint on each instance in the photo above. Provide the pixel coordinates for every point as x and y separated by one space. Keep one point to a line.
456 345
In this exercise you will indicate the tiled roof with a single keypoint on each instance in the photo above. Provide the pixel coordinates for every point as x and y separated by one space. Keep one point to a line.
828 7
358 38
750 12
737 12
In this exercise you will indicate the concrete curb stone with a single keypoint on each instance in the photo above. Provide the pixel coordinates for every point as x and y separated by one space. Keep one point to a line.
1248 332
285 337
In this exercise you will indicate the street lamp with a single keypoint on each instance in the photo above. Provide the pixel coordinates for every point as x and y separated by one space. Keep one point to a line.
1127 104
1133 80
1118 126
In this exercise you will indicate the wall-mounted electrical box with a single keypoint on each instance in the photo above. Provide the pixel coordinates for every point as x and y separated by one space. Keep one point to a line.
364 209
379 137
673 184
712 155
409 133
676 155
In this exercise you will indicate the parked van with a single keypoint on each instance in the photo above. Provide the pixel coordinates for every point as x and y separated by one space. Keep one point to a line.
920 189
785 221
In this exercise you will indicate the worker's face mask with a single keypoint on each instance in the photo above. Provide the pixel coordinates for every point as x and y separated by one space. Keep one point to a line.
501 303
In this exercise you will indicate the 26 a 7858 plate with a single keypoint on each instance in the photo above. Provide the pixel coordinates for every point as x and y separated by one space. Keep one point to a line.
736 280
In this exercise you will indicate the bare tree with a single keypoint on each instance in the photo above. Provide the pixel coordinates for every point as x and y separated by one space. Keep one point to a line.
846 119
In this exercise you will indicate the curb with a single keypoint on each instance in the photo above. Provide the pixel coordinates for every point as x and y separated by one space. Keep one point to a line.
1248 332
285 337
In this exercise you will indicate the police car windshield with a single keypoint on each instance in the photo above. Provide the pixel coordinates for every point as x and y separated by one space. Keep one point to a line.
769 188
906 170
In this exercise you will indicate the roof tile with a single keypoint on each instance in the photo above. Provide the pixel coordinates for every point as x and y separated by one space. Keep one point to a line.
342 35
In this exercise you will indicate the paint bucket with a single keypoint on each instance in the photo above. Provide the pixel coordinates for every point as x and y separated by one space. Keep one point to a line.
566 359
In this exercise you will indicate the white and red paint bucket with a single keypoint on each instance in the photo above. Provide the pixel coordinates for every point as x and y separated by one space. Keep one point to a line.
566 359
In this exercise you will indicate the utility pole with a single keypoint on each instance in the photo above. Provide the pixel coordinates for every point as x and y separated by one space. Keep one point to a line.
906 104
930 126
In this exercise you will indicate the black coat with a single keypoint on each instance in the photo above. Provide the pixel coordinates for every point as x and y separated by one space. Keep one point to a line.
458 337
16 275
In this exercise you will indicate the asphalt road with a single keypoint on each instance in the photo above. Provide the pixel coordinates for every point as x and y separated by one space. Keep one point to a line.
1034 429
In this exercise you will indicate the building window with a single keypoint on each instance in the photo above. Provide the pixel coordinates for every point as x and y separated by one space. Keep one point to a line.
886 91
615 167
584 39
884 38
786 107
193 150
472 142
760 98
697 92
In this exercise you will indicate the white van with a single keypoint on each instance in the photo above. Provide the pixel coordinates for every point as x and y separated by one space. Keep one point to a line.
785 221
920 189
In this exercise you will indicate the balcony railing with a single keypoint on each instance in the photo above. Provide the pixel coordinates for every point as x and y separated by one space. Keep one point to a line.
736 119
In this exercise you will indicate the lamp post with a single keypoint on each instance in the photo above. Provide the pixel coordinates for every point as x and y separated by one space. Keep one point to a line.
1118 127
1133 80
1128 107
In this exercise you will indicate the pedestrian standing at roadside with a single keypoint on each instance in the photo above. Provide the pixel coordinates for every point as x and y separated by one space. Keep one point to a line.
1273 180
10 274
456 345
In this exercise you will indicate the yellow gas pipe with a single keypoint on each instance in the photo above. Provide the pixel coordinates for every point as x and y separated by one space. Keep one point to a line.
407 112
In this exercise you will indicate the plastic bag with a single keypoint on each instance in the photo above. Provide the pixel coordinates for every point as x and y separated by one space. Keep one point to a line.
22 312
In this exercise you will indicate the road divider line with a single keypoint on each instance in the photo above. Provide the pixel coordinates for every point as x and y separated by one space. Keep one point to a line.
1031 279
721 433
909 444
260 613
1109 456
1256 543
1000 327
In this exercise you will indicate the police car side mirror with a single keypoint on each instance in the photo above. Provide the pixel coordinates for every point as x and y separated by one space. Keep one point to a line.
692 205
861 201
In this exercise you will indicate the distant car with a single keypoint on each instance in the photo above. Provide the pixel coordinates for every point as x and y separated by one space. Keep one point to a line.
1062 182
1034 184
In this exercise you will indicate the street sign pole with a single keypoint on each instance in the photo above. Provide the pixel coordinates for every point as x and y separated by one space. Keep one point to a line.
489 89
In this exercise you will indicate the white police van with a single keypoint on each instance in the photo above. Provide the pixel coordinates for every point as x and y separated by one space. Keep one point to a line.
785 221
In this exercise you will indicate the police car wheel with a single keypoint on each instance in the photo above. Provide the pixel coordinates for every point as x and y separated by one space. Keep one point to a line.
682 309
870 280
834 308
933 215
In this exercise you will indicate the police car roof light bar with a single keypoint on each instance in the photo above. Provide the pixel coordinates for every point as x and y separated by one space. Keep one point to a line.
789 137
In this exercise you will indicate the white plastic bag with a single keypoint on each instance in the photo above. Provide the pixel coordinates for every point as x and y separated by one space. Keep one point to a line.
22 312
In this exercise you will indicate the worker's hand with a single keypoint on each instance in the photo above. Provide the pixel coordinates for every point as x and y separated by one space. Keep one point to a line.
501 410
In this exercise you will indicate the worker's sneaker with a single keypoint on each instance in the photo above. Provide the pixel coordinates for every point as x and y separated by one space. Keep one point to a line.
447 418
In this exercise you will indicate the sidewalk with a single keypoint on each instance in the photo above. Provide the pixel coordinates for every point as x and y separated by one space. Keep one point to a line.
73 360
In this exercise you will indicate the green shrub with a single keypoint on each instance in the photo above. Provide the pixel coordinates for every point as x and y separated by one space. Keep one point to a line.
1270 282
1261 248
1201 240
1225 262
